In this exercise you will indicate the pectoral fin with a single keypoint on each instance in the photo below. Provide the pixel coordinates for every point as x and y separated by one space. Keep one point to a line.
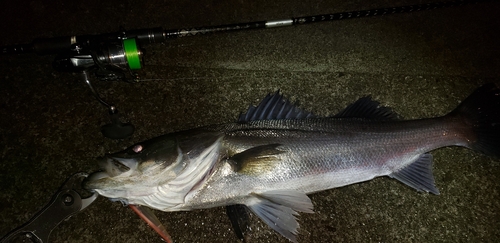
256 160
418 175
278 210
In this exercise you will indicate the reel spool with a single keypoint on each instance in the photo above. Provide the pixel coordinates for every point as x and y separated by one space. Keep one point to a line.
110 60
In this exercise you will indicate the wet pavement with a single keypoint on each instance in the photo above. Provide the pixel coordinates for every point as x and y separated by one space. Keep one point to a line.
420 64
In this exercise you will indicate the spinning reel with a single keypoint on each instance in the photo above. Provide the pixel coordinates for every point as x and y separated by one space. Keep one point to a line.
109 57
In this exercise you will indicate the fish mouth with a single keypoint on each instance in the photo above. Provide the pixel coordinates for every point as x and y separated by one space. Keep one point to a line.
97 176
110 167
116 166
91 183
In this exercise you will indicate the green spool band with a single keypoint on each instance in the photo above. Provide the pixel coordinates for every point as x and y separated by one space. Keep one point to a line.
132 54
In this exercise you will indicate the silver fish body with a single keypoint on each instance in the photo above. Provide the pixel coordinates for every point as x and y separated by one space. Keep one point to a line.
318 154
270 160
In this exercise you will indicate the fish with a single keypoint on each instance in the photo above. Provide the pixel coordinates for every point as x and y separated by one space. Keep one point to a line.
276 154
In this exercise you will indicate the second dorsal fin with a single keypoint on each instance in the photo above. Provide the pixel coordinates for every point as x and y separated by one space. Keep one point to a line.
367 108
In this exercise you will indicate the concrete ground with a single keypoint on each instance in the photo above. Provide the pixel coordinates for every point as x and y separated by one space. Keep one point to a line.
421 64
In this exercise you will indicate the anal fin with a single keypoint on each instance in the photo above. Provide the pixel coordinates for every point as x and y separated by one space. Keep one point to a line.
278 210
418 175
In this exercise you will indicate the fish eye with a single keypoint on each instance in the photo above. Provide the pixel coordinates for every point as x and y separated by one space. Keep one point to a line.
137 148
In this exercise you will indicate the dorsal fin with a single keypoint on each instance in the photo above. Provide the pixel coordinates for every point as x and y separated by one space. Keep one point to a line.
367 108
274 107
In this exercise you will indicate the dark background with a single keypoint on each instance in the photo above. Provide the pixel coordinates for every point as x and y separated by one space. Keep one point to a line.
421 64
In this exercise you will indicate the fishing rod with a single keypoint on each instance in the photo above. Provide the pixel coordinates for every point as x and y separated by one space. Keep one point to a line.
118 55
114 56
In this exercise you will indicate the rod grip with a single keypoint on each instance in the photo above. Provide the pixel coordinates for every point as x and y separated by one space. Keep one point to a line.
40 46
17 49
52 45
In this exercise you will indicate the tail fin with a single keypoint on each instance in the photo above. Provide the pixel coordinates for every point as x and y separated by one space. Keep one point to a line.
481 110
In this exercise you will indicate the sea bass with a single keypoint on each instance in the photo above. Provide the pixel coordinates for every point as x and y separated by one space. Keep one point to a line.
276 154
